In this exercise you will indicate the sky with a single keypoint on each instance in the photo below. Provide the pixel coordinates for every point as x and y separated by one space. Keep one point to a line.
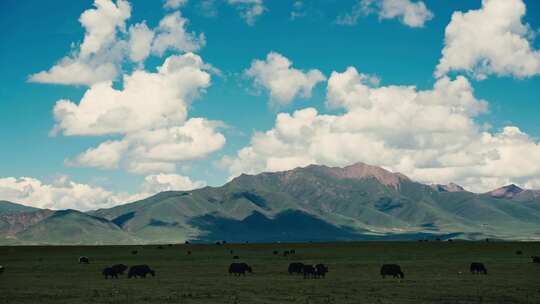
105 102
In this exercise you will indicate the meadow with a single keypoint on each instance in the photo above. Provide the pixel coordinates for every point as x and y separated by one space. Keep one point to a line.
435 272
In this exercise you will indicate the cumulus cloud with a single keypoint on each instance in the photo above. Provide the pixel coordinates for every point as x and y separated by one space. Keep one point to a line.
170 182
490 40
430 135
105 156
63 193
140 42
412 14
250 10
174 4
59 194
171 34
147 100
107 44
94 60
283 82
150 113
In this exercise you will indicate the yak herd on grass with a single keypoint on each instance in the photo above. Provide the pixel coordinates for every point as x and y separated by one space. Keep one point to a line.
240 269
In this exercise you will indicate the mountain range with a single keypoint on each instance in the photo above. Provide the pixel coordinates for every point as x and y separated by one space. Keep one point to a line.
313 203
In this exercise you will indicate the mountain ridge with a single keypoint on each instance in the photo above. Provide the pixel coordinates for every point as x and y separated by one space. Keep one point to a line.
357 202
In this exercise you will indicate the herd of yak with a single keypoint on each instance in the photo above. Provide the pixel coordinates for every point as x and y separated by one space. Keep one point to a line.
240 269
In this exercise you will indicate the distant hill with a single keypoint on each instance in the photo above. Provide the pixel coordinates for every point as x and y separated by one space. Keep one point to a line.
9 207
313 203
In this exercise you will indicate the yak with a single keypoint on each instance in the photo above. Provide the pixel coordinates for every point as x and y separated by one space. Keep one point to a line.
1 269
84 260
321 270
309 271
296 267
119 268
140 271
535 259
110 272
235 257
392 269
478 268
239 269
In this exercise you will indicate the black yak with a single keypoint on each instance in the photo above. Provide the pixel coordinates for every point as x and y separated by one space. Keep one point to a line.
309 271
119 268
140 271
239 269
321 270
276 252
235 257
84 260
134 252
392 269
478 268
110 272
535 259
297 268
1 269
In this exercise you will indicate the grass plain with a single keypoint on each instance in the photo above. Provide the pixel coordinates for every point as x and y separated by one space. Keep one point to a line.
435 272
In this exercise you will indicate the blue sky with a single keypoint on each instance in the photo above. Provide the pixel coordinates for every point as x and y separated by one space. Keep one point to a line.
387 52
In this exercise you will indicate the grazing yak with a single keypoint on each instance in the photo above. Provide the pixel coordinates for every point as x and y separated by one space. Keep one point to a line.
140 271
321 270
478 268
535 259
239 269
84 260
309 271
134 252
297 268
276 252
393 270
109 272
119 268
1 269
235 257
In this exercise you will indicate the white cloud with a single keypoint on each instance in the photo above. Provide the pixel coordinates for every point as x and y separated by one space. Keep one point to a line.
150 112
250 10
63 193
147 100
490 40
194 139
95 60
429 135
169 182
71 71
282 81
412 14
140 42
106 156
60 194
101 25
174 4
107 44
171 34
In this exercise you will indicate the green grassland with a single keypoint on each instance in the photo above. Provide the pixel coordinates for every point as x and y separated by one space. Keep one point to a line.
435 272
